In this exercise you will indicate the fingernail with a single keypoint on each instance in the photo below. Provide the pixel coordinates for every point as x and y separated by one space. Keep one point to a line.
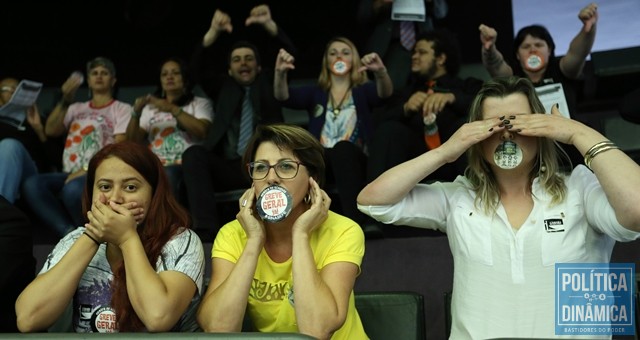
501 124
490 129
512 117
506 121
518 130
509 126
501 118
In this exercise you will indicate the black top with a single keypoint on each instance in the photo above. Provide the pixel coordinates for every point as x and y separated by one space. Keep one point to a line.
451 117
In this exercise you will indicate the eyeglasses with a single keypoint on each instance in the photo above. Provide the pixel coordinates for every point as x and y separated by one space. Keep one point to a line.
284 169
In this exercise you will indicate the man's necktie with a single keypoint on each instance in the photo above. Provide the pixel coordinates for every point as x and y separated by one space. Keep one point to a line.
407 34
246 122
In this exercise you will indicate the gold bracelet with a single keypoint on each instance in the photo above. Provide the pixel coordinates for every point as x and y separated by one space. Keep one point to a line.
597 145
596 149
589 154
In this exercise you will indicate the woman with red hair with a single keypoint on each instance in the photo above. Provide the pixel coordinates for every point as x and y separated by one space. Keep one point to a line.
134 223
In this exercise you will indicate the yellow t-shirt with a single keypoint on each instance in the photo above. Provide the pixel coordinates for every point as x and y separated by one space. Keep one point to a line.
271 300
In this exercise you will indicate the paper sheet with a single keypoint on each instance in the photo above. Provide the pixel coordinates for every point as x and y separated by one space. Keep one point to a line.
553 94
408 10
14 111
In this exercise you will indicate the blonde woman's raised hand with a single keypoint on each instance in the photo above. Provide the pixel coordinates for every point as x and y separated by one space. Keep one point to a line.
554 126
470 134
284 61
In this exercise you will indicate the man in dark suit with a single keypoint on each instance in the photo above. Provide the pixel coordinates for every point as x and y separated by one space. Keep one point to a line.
383 35
245 91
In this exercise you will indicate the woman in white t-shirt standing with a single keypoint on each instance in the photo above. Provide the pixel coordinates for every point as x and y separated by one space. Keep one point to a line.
172 119
89 126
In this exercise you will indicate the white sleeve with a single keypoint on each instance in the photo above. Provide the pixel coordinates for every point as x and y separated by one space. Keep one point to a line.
600 213
184 253
425 206
61 249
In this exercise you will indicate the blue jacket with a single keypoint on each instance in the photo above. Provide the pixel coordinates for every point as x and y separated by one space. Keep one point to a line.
314 99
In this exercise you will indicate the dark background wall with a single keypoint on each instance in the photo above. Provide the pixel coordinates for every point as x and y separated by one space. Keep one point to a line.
45 41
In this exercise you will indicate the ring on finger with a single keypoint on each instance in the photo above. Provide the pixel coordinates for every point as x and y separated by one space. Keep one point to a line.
244 203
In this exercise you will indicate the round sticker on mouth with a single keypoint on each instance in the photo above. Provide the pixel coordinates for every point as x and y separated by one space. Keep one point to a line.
339 67
508 155
274 204
534 62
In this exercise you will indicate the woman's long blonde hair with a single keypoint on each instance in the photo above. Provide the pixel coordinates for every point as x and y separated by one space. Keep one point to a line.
356 78
547 166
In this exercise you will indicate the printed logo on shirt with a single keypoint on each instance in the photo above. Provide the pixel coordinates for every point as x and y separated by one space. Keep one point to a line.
554 225
85 312
103 320
268 291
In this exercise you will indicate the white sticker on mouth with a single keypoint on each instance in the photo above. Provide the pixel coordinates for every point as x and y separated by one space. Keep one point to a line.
507 155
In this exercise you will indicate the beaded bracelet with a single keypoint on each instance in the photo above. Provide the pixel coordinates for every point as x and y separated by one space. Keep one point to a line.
596 149
92 239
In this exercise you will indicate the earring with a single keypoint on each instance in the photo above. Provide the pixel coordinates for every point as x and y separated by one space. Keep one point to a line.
307 199
543 168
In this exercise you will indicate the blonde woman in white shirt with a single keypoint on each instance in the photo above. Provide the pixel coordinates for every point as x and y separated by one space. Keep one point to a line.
494 215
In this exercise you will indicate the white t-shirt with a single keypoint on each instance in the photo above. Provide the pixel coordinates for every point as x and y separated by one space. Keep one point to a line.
91 128
92 310
503 279
165 138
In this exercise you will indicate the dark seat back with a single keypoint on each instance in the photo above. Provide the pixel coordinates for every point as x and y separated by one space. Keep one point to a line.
391 315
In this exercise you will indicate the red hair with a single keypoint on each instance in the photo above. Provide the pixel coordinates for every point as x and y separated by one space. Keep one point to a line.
162 221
